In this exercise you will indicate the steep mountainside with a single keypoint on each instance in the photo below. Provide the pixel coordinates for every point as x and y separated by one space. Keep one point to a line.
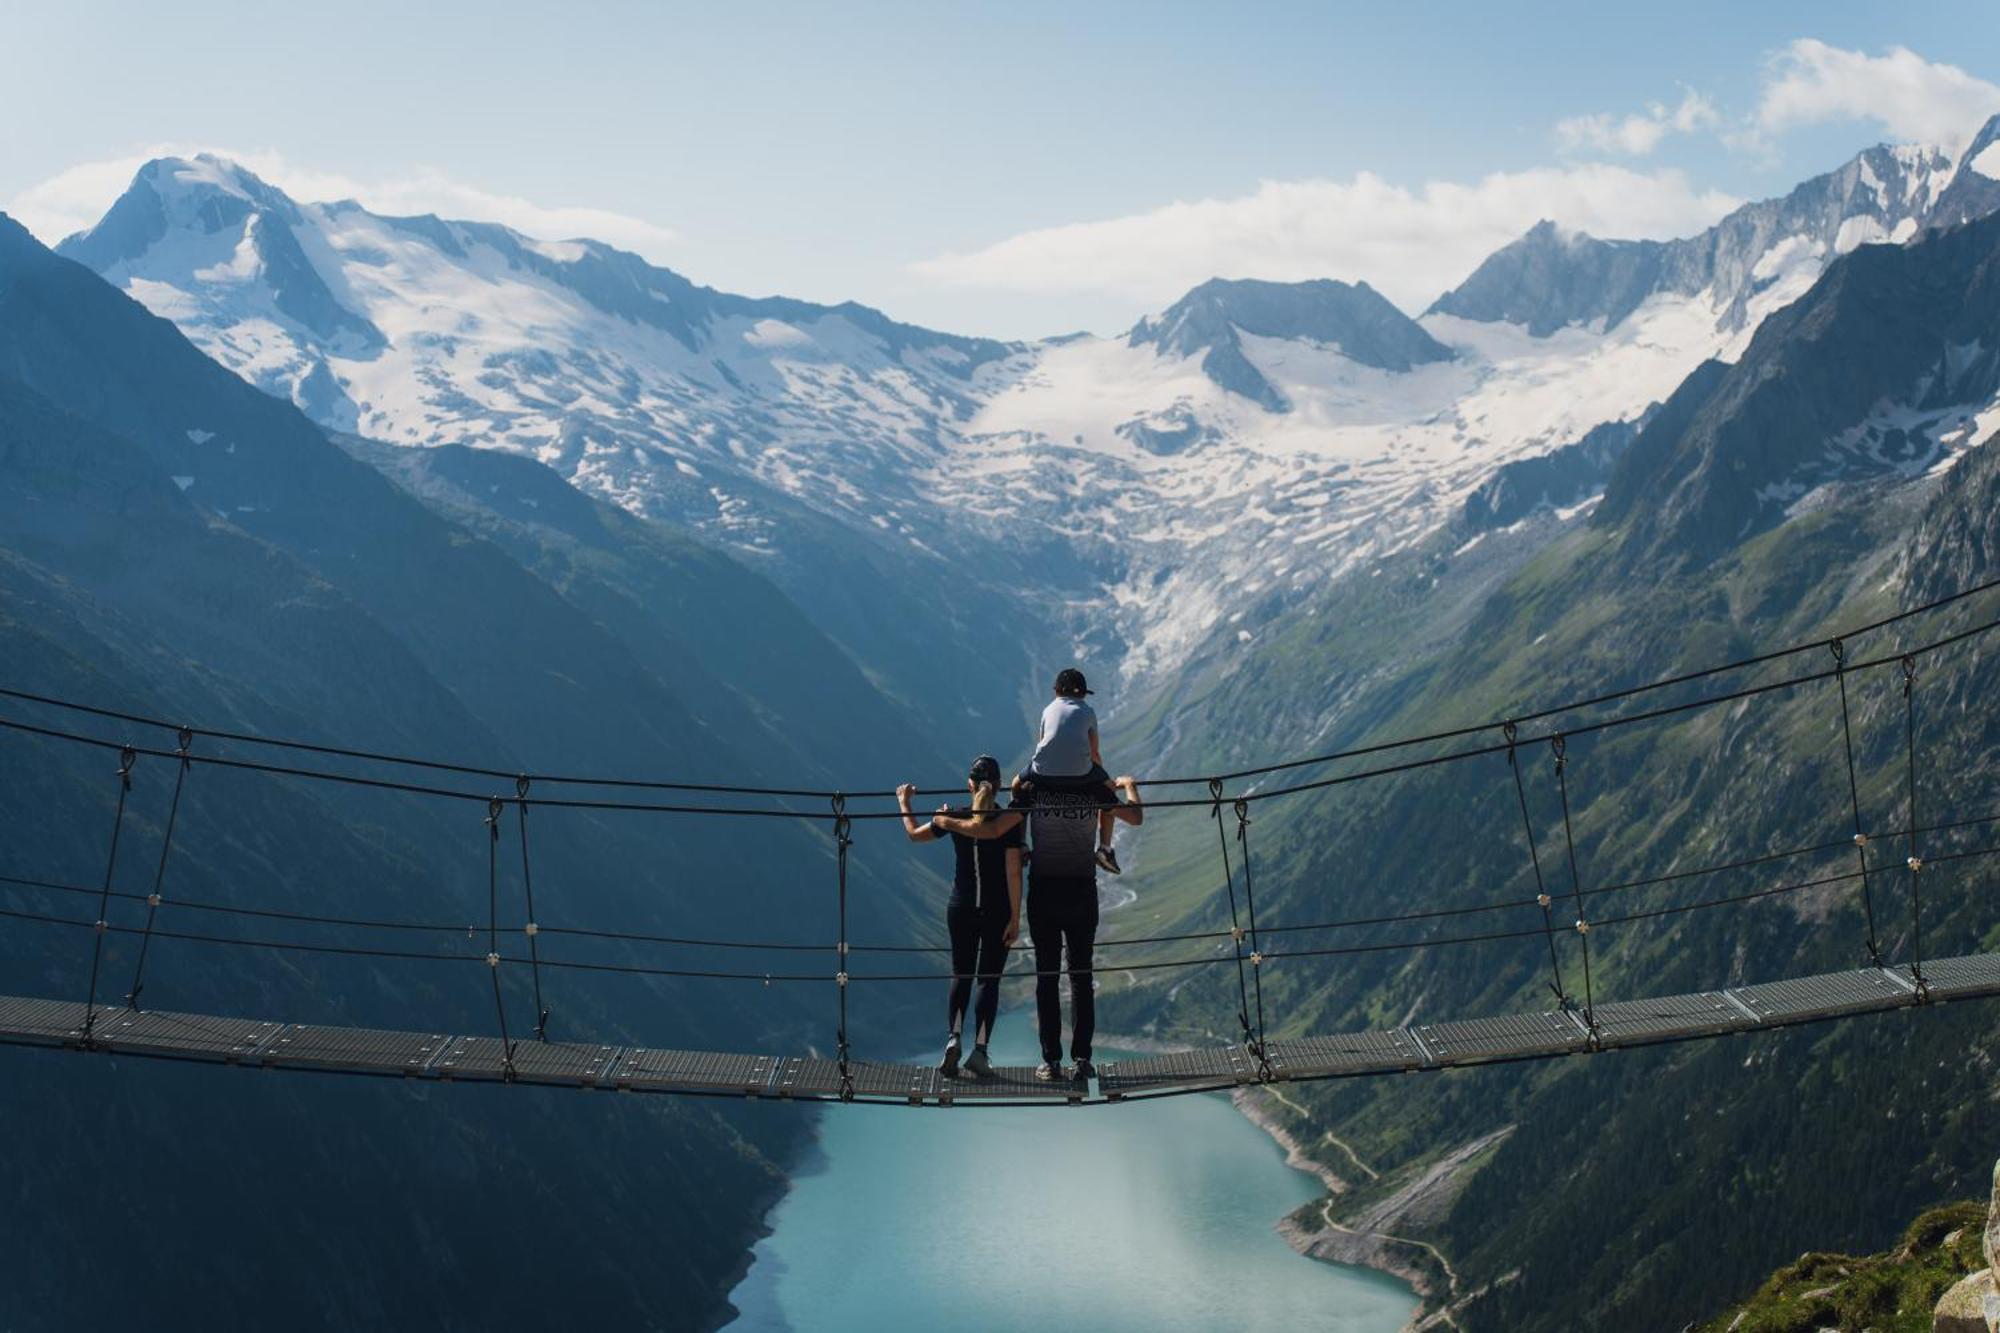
1890 365
1582 1215
176 543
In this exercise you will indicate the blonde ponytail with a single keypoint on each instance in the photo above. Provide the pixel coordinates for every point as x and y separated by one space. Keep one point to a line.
984 802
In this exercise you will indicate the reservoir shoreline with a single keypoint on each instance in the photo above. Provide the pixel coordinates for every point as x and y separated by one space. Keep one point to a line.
1136 1219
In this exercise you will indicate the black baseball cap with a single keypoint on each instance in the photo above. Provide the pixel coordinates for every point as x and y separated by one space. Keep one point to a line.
985 769
1070 681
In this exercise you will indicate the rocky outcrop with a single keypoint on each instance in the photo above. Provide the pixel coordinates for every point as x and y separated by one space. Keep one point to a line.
1973 1303
1965 1307
1993 1225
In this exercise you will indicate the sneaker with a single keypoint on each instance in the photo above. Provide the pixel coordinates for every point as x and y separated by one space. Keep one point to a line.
1109 860
1048 1072
948 1066
977 1064
1083 1070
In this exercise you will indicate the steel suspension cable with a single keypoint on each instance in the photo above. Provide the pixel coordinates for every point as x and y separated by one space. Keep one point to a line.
1839 651
493 808
1542 898
1454 733
1561 748
1256 950
185 738
1916 860
842 839
532 929
635 807
126 758
1235 924
1676 909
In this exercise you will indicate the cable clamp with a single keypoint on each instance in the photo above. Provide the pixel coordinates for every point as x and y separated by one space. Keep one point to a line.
521 786
1582 927
1543 901
1242 814
127 756
839 978
1256 960
1909 673
1861 840
152 900
1236 933
101 925
1561 747
841 948
1916 863
531 930
1839 651
492 960
183 738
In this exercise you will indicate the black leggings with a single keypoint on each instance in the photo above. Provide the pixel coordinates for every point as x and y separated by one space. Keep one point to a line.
977 949
1062 917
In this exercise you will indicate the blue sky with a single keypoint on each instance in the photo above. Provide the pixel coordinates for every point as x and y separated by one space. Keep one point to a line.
1016 170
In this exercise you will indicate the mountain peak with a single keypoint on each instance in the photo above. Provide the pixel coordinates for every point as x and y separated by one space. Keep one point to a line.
1351 317
242 225
206 173
1974 190
204 194
1766 251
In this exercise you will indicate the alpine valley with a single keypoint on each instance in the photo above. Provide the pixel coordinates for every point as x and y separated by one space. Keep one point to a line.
770 537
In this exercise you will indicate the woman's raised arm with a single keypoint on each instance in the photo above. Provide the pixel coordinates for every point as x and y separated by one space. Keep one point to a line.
915 831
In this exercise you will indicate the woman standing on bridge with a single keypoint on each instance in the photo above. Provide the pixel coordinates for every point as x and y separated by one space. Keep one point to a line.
983 915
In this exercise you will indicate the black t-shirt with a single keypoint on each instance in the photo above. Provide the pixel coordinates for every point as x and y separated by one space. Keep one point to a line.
980 876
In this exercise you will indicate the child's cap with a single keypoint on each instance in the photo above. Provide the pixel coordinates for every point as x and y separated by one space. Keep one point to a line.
1070 683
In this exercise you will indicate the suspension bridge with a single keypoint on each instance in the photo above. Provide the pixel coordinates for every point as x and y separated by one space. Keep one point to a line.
1886 869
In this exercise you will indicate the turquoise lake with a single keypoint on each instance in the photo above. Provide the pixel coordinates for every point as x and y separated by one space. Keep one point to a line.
1146 1216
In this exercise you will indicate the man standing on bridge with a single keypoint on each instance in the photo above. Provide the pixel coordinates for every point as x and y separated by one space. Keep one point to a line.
1062 901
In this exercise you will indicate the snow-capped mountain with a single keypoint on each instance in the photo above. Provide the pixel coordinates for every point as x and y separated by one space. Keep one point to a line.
1253 440
1214 318
1551 279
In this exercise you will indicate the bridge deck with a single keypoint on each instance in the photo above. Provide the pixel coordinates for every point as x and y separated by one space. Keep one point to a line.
1443 1045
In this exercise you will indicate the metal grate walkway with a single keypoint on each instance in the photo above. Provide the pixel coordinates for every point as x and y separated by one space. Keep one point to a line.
1509 1037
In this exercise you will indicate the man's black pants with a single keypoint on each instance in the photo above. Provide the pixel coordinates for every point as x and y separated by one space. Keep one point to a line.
1062 919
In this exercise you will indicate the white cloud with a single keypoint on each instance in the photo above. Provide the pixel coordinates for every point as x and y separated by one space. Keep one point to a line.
1638 134
75 199
1409 244
1915 100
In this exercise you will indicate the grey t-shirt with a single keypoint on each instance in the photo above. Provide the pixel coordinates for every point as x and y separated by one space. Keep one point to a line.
1063 826
1062 746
